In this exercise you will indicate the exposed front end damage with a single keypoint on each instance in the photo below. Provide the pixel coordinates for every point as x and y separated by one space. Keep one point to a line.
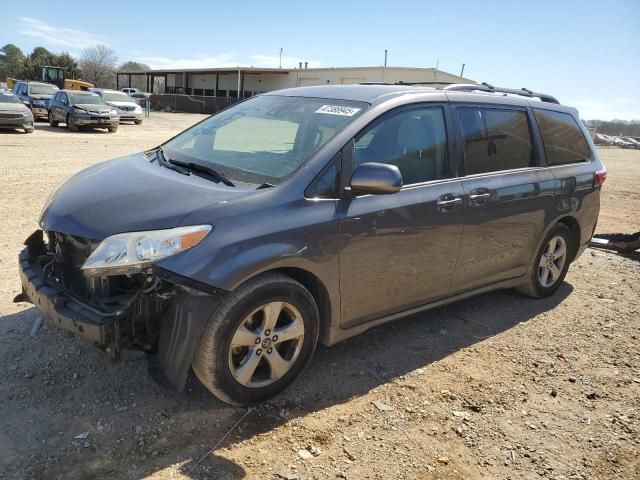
153 311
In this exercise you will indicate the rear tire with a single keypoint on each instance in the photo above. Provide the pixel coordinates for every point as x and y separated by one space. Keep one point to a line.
243 332
551 263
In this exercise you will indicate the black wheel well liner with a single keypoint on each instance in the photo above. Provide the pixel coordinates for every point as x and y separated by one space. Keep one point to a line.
319 292
574 227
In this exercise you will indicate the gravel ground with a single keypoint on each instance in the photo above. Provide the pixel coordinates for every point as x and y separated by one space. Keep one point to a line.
499 386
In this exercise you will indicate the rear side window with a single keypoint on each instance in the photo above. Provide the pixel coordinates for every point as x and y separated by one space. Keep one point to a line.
563 140
495 139
413 140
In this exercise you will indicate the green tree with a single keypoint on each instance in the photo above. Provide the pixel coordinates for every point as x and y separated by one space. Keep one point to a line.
66 61
11 61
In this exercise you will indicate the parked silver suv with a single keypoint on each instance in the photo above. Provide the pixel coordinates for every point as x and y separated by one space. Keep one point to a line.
313 214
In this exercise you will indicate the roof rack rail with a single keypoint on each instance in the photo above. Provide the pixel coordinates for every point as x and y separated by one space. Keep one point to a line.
488 88
409 84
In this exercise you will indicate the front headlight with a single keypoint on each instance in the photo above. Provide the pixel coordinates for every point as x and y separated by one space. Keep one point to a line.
134 251
113 112
138 109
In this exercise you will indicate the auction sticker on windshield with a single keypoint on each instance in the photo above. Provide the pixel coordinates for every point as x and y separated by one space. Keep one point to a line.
338 110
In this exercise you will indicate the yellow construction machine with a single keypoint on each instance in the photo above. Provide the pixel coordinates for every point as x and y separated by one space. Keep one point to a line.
56 76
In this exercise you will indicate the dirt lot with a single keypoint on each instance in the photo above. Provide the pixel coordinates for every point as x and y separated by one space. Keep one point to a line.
497 387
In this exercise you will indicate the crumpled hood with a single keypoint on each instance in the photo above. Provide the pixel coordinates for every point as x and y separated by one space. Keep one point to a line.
92 107
129 194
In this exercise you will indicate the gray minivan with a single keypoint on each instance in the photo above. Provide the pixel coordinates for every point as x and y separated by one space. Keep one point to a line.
312 214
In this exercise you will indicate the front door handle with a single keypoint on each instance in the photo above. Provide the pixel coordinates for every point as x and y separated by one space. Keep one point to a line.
448 202
479 196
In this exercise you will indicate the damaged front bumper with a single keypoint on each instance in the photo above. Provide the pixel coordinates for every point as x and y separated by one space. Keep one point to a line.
165 322
100 328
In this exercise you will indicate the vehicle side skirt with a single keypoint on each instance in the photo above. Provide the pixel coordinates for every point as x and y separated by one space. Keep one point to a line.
338 334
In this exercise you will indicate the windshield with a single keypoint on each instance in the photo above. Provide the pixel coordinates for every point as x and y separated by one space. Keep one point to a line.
35 89
266 138
8 98
116 97
85 99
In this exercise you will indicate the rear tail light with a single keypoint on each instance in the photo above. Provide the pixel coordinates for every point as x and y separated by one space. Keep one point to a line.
600 176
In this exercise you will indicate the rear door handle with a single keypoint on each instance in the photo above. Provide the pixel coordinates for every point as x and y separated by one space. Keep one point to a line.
448 202
479 196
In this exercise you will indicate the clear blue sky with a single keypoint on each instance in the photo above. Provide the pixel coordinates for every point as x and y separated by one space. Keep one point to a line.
585 53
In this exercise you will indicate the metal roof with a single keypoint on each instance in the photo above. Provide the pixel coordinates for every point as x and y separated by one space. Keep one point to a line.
207 70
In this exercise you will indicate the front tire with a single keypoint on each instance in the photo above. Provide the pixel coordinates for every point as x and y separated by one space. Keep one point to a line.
551 264
113 129
258 341
52 122
71 124
138 122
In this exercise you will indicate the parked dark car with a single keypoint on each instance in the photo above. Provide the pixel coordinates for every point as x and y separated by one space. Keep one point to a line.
35 95
312 214
14 114
82 109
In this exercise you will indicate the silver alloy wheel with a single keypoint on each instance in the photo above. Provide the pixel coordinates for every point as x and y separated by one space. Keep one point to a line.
266 344
552 261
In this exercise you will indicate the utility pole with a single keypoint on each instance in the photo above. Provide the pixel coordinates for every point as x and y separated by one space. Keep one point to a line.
462 71
281 57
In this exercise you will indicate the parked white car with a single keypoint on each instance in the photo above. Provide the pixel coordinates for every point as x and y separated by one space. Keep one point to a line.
126 106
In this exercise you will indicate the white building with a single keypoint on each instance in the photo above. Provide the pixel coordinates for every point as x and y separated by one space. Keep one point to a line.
222 86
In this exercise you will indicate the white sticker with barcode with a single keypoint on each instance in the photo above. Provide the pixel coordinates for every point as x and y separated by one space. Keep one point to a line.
338 110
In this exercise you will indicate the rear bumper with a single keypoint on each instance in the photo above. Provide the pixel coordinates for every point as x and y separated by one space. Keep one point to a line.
64 311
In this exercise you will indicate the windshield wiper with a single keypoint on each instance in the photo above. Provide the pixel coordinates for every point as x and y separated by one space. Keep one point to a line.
162 160
196 167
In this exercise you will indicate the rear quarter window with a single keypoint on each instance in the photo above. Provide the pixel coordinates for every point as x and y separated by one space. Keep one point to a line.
563 139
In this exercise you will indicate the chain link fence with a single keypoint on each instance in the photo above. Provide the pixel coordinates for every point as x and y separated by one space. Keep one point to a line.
190 103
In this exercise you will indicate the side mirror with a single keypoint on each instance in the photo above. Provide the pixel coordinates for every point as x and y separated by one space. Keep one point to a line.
376 179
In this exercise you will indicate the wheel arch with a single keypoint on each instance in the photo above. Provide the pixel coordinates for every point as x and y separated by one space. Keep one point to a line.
574 227
318 291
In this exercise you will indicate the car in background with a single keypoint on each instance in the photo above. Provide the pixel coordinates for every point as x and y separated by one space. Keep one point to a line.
82 109
14 113
130 90
35 95
634 143
127 108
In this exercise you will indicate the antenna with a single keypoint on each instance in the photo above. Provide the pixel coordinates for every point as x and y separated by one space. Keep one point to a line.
435 70
280 57
462 71
385 57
